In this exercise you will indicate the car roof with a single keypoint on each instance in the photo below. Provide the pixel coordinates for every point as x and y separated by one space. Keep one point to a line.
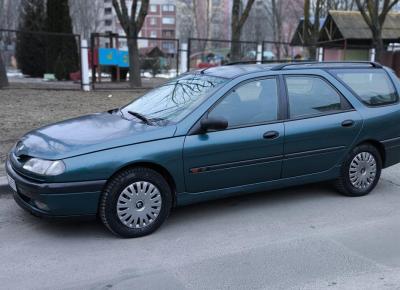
234 70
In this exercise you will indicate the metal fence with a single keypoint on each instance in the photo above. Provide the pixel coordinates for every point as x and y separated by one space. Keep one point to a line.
276 51
37 59
41 59
109 60
204 53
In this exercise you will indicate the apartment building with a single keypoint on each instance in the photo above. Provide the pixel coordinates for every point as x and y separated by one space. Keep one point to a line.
160 23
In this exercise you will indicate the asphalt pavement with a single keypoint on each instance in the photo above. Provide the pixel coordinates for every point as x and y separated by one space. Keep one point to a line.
306 237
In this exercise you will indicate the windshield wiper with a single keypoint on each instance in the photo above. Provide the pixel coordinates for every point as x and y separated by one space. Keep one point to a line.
140 117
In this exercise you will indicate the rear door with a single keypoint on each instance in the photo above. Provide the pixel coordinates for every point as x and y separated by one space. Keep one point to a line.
322 125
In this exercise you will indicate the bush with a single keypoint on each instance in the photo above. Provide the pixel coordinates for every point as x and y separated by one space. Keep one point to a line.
59 69
152 64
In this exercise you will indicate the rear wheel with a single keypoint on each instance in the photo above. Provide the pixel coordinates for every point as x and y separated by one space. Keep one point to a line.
135 202
360 172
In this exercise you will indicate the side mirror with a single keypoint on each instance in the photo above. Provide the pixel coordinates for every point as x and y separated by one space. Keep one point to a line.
213 124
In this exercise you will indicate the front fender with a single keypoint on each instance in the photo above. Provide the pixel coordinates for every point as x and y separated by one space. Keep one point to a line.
101 165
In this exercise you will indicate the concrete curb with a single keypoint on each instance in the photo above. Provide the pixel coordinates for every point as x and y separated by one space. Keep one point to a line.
4 184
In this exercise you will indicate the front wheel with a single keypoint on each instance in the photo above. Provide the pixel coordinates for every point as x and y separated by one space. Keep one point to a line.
135 202
360 172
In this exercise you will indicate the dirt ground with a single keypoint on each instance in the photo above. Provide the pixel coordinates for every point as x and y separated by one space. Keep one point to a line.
22 110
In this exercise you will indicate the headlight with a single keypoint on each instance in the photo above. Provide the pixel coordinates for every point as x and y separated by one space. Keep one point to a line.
45 167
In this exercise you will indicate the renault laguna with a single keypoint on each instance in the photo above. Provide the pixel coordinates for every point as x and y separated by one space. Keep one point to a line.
211 134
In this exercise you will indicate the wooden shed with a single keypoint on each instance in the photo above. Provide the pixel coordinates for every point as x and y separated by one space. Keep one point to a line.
346 36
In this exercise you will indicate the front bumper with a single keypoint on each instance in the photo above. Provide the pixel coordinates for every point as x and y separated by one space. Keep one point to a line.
56 199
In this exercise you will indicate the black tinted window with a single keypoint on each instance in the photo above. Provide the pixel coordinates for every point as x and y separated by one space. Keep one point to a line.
250 103
372 86
311 96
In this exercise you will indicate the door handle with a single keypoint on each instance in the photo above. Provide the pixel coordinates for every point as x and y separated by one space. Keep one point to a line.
348 123
271 135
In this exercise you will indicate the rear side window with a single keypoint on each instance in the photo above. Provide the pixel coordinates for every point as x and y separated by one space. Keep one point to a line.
309 95
372 86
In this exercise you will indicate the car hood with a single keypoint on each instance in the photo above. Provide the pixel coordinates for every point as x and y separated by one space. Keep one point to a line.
88 134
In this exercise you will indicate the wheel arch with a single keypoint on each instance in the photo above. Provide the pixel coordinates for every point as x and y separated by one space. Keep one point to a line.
379 146
154 166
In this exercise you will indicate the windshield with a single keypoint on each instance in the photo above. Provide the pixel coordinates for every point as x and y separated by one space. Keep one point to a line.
174 100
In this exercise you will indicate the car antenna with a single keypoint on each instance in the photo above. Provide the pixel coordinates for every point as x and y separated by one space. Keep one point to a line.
203 70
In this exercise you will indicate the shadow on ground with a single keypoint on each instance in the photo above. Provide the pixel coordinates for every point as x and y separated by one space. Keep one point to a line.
197 213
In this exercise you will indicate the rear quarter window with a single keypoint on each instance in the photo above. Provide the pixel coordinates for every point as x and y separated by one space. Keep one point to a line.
372 86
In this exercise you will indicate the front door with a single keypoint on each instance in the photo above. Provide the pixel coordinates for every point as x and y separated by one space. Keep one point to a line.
322 126
249 151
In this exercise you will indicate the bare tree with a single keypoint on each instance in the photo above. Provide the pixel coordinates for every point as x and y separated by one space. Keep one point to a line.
208 17
340 5
258 26
9 12
86 16
3 74
184 19
237 22
199 19
201 14
2 9
8 21
311 25
131 23
275 10
272 20
374 13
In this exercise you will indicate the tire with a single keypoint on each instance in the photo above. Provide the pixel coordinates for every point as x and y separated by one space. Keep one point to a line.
144 201
357 177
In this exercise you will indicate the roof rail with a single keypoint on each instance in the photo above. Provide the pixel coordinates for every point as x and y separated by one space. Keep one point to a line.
243 62
326 63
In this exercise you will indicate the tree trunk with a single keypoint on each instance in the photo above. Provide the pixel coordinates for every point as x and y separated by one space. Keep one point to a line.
237 22
235 32
235 46
208 45
379 46
277 28
312 52
134 63
375 20
312 49
3 74
306 22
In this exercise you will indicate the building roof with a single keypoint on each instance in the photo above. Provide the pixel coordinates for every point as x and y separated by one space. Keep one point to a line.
350 25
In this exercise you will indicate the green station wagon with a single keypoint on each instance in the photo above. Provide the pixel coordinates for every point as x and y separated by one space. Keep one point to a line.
210 134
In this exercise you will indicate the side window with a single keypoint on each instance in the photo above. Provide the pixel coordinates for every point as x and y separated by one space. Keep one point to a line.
372 86
251 103
310 95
